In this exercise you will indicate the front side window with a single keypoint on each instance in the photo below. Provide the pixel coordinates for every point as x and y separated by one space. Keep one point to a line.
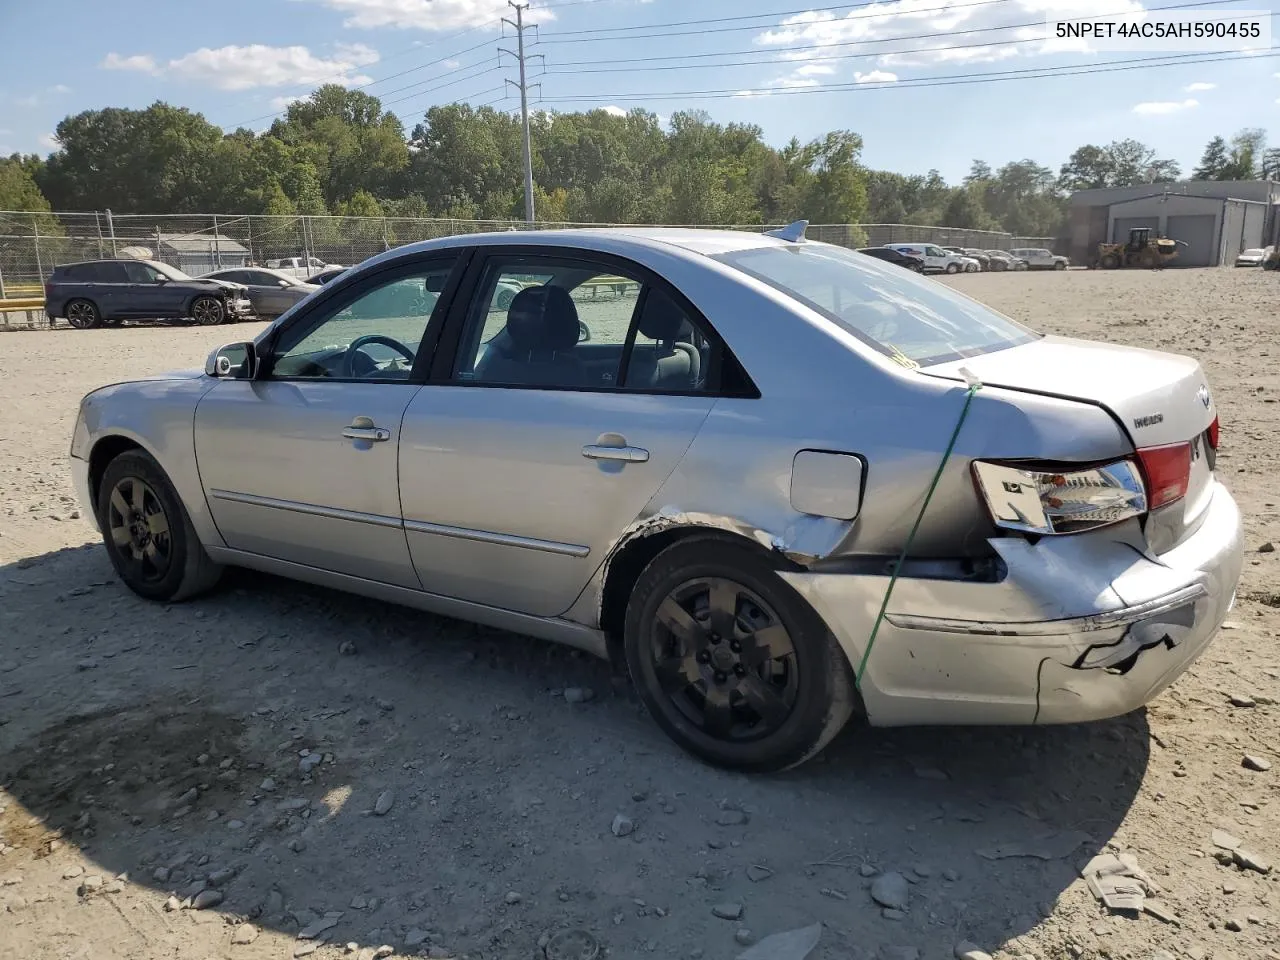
374 335
139 272
903 316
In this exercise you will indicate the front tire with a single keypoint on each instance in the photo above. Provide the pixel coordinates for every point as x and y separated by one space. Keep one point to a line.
148 533
1059 265
83 315
731 662
953 268
207 311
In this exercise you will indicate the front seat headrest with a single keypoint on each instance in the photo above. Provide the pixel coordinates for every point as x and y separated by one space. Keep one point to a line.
661 319
543 318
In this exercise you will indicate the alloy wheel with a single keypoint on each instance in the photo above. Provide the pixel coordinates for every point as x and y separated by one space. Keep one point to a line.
81 314
139 530
207 312
724 659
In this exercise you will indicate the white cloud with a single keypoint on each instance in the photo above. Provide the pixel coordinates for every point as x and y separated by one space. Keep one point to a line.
280 104
5 131
893 33
614 111
1199 87
815 70
1160 108
49 141
795 83
139 61
59 88
257 65
875 76
438 15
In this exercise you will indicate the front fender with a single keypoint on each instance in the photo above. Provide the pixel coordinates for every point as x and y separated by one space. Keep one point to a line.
159 416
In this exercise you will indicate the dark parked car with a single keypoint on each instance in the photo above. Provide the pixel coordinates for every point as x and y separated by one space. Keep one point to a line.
893 256
271 292
326 275
104 292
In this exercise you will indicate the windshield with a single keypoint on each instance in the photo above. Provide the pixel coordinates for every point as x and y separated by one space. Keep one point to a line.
173 273
915 320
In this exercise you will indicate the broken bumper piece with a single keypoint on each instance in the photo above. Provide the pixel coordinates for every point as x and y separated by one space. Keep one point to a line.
1080 628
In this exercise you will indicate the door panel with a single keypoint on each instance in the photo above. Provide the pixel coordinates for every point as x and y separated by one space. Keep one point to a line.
300 465
502 507
283 481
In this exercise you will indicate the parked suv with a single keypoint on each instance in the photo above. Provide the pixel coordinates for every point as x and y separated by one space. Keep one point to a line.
936 259
105 292
1039 258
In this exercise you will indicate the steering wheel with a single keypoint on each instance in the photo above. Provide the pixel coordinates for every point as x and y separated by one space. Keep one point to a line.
349 358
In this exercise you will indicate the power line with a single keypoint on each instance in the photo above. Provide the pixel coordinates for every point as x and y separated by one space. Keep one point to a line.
1027 73
421 66
869 15
769 53
766 16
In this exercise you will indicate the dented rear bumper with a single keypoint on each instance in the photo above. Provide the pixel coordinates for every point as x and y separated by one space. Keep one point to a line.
1080 628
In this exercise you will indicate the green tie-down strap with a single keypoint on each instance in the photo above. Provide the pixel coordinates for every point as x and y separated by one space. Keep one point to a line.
974 387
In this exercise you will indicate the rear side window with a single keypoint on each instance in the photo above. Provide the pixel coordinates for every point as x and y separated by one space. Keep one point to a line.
915 321
103 272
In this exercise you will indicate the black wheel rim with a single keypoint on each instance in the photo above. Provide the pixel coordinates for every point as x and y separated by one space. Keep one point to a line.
724 660
206 312
139 529
80 315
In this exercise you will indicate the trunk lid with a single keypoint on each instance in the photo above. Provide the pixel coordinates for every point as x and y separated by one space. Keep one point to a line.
1159 398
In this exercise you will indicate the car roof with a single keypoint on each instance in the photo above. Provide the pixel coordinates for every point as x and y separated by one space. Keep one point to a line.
605 239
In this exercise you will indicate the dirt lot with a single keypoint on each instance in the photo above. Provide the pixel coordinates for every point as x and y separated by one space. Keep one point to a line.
151 756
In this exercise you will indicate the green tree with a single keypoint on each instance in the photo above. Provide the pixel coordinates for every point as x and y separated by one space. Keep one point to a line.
18 190
1213 161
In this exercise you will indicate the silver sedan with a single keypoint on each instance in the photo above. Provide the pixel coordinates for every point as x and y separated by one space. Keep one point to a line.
780 482
270 291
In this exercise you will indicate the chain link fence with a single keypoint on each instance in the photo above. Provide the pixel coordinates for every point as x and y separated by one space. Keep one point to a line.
32 244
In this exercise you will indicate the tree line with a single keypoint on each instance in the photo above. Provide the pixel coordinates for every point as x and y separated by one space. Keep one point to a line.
339 152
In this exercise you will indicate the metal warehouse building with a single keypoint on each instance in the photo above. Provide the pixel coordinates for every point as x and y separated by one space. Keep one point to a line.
1215 219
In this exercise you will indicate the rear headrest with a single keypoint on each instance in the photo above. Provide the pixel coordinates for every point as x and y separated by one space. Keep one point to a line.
543 318
662 319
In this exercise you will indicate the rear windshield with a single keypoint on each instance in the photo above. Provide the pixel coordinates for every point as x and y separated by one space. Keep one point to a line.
915 320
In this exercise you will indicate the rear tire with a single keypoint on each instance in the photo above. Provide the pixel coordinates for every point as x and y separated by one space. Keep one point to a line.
731 662
83 315
953 268
207 311
148 533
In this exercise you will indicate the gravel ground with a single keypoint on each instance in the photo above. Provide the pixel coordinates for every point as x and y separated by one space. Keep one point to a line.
276 769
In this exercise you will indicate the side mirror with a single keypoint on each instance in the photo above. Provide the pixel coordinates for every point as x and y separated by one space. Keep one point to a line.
283 283
162 279
234 361
435 283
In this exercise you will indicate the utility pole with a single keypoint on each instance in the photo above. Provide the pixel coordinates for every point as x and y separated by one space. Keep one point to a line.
520 8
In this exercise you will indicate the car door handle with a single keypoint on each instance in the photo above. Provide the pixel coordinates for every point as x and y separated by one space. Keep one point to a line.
595 451
373 434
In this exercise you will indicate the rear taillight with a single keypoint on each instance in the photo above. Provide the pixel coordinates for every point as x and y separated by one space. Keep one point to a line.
1058 499
1212 434
1167 471
48 290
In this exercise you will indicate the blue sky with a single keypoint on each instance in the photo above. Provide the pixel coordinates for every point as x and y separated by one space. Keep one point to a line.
239 61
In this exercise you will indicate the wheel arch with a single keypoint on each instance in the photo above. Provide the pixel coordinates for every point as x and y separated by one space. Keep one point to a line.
104 450
629 558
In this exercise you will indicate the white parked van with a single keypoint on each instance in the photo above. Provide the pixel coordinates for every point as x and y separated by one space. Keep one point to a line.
937 260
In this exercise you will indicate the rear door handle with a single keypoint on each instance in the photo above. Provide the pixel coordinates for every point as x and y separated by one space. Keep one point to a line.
594 451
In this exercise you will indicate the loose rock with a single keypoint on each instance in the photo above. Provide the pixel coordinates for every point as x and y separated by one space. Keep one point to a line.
789 945
970 951
731 818
743 936
1253 762
727 911
578 694
160 874
386 800
513 898
415 938
245 933
623 826
317 927
1242 700
1267 547
756 873
891 890
206 899
172 904
1234 925
267 786
347 648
